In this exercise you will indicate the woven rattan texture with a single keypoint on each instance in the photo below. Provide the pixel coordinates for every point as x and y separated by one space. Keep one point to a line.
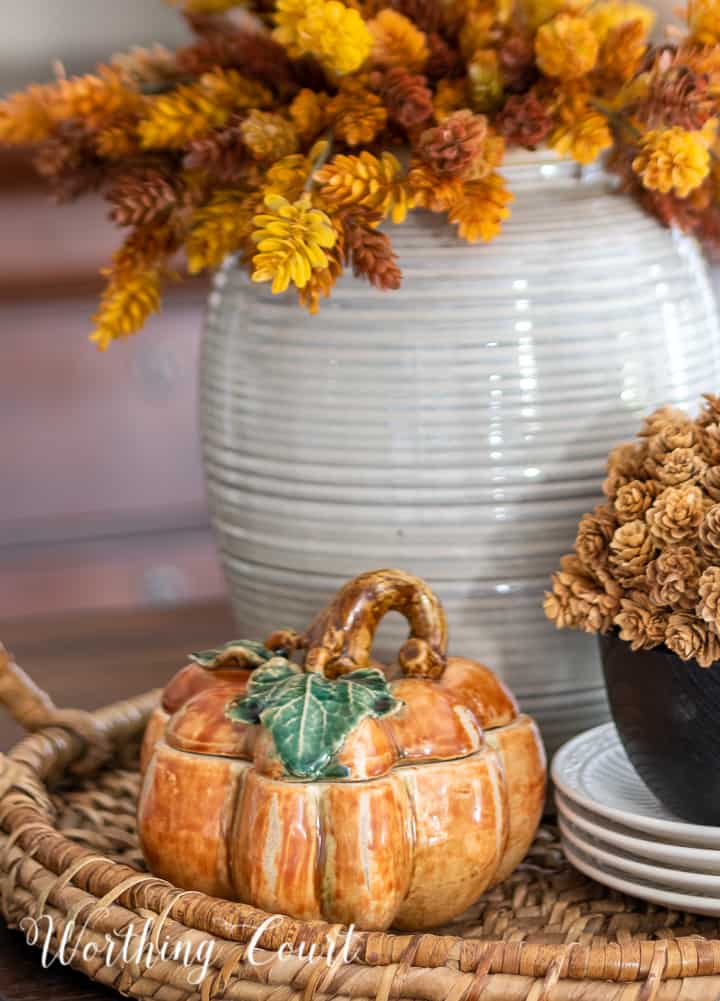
69 850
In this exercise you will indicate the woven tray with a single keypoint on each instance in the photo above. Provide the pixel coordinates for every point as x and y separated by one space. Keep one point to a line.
68 850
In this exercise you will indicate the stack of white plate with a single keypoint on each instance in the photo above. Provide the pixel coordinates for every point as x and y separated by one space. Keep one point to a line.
615 831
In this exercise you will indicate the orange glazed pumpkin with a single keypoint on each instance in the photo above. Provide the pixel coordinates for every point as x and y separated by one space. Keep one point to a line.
328 791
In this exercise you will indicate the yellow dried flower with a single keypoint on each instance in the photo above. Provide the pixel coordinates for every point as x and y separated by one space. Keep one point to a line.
397 41
451 95
485 82
481 209
429 191
609 14
335 34
125 306
703 18
308 111
358 115
537 12
672 160
476 32
581 131
268 136
566 47
322 280
174 119
26 117
376 184
291 240
220 228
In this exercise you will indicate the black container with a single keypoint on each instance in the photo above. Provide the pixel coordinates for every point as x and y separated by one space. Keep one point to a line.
667 713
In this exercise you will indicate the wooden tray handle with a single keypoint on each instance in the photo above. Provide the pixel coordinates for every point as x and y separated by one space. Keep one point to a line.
33 709
340 640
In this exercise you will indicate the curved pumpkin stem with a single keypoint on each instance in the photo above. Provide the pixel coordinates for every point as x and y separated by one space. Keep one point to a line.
340 639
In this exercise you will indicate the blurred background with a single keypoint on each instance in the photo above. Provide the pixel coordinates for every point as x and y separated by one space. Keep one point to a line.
101 495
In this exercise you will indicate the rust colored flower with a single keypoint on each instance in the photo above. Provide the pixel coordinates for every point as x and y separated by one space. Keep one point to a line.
689 637
143 196
673 578
566 47
408 98
451 147
370 251
357 113
525 121
640 623
220 154
676 515
443 62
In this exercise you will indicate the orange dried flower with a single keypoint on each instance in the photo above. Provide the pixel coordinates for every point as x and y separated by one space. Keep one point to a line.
95 99
26 117
309 113
407 97
581 131
397 42
429 190
566 47
365 180
481 209
358 114
268 136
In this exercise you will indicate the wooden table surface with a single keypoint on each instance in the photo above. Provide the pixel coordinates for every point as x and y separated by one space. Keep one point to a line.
85 662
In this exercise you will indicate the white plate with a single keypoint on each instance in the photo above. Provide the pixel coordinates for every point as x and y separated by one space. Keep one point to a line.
695 860
593 770
636 888
658 876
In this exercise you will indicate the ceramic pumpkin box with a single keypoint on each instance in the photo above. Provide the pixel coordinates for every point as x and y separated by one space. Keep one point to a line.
337 789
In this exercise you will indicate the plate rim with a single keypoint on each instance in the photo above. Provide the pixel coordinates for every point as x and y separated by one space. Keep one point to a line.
678 828
631 889
615 838
654 874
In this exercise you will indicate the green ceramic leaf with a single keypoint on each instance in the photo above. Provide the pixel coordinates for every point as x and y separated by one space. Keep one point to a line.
310 716
254 653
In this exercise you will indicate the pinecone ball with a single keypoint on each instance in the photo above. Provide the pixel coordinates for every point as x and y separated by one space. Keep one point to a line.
647 561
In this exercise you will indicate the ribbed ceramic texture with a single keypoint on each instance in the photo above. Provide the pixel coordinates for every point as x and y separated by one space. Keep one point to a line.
456 428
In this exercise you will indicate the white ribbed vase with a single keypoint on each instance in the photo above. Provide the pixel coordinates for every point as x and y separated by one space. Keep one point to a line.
456 428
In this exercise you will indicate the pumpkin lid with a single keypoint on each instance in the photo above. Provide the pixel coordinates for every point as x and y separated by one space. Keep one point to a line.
337 717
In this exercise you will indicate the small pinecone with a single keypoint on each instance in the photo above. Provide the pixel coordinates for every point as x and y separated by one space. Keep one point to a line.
640 623
710 443
671 435
710 413
631 549
673 578
524 120
709 604
689 637
593 538
711 482
517 61
142 197
407 97
632 500
451 148
676 515
682 465
710 535
443 61
660 418
370 251
220 154
579 602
